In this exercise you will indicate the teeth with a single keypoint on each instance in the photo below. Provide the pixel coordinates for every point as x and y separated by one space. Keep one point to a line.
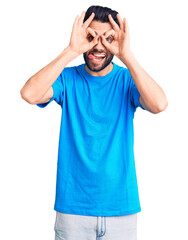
98 55
98 60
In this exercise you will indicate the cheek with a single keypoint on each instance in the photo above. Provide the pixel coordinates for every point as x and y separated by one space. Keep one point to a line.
109 54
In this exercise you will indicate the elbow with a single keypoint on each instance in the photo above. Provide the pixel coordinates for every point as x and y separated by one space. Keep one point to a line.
27 96
161 107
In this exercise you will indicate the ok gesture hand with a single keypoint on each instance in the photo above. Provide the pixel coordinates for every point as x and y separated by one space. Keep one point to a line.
79 42
120 46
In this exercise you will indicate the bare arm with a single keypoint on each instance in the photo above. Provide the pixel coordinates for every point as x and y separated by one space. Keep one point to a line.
38 89
152 96
40 84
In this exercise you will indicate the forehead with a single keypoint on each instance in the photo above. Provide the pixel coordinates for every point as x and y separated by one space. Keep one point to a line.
99 27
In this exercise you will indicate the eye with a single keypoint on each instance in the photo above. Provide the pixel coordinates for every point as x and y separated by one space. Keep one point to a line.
90 37
109 39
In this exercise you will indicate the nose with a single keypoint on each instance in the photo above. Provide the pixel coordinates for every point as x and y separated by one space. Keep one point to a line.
99 45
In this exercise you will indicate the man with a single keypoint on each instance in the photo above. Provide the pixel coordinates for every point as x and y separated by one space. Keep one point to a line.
96 191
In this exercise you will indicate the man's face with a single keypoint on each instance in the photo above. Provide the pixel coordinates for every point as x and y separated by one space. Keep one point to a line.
98 57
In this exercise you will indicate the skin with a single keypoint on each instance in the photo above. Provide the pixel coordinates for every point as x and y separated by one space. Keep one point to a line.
103 67
89 34
89 37
152 96
105 38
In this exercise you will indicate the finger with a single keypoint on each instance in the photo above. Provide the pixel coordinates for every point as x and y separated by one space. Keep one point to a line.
81 19
104 42
124 24
120 21
109 33
94 41
114 24
88 21
126 27
91 31
75 21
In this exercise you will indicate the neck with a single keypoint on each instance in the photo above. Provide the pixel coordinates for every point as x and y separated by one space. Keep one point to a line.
101 73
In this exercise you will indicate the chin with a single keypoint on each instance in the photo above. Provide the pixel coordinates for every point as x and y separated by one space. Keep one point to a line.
95 69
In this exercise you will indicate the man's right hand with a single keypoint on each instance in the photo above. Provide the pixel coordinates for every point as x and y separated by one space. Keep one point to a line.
79 42
38 89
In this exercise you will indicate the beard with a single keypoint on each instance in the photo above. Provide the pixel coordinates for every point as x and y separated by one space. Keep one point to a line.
98 67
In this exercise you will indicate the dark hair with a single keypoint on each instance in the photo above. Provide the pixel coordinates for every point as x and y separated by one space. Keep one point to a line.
101 14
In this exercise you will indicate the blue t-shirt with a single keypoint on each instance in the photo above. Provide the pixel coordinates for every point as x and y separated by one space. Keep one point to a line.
96 173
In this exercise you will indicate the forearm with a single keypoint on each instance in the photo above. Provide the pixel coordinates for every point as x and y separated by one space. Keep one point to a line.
39 83
152 94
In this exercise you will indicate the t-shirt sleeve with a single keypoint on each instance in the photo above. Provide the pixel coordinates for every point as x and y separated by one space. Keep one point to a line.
134 93
58 91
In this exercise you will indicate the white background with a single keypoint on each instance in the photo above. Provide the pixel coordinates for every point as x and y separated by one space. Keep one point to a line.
35 32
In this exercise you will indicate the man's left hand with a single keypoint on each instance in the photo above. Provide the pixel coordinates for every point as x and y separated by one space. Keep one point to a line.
119 44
